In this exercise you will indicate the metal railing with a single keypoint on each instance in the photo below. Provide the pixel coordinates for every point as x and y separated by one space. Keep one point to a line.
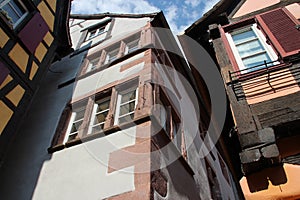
266 78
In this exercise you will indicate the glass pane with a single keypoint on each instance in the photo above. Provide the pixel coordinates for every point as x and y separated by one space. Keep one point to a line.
98 128
101 30
11 13
102 106
75 126
243 37
79 114
72 137
127 118
100 117
127 108
17 7
256 60
250 48
133 46
128 96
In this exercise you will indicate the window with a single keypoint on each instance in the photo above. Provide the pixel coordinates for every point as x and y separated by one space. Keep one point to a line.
100 112
111 55
126 103
132 46
93 64
95 32
75 124
13 10
250 48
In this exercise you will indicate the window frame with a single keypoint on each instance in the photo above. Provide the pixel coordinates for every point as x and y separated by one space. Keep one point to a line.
95 113
261 38
120 93
68 132
98 31
21 6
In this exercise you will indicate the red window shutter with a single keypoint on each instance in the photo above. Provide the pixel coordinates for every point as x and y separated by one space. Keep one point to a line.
280 27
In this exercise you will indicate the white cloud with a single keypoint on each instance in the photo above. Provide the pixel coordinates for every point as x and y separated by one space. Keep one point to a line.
179 16
209 4
114 6
193 3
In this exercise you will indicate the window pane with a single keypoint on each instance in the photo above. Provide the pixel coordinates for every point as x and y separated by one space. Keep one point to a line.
243 37
127 108
250 48
256 60
128 96
72 137
112 55
79 114
102 105
100 117
132 46
127 118
98 128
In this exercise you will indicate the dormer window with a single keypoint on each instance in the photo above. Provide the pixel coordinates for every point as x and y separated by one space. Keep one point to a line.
95 32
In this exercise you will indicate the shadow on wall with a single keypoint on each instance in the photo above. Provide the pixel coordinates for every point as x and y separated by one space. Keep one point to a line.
260 180
20 172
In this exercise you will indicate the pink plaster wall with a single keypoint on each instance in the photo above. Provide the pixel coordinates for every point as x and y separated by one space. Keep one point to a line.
254 5
294 9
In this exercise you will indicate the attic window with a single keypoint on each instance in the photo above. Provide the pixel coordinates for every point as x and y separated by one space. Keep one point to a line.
95 32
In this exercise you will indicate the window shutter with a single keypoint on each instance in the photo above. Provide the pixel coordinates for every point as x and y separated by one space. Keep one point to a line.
281 29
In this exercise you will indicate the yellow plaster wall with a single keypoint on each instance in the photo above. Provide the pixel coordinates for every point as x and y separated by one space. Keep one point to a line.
16 95
48 39
33 71
52 4
289 190
47 15
6 81
40 52
5 116
19 56
3 39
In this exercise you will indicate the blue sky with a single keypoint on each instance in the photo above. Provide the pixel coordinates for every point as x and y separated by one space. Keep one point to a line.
180 14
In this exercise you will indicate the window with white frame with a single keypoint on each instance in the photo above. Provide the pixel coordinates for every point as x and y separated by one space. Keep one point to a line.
13 10
93 64
250 48
132 46
95 32
126 104
112 55
75 124
100 112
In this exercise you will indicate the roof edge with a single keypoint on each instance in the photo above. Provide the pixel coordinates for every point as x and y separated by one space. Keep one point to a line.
108 14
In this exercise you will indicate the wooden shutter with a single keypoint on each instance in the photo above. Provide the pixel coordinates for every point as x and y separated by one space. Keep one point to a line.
280 27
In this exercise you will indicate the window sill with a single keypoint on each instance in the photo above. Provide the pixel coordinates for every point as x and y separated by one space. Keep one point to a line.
113 129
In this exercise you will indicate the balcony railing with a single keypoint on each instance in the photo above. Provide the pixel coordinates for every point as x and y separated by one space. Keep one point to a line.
264 79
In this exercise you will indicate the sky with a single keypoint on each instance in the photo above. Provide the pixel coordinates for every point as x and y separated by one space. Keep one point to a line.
180 14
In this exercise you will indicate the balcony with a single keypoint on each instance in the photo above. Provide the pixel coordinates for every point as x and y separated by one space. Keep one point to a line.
266 81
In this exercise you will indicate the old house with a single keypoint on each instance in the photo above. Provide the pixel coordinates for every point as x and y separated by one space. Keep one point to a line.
256 45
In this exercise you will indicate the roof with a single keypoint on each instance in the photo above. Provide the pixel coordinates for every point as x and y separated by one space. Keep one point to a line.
108 14
223 6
